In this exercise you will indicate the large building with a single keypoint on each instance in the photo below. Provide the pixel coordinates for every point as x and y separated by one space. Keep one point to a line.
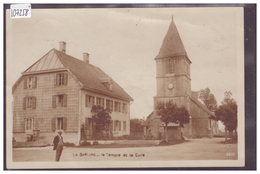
174 83
57 93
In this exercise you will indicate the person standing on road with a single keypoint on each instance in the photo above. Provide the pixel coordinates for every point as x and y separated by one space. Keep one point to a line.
58 145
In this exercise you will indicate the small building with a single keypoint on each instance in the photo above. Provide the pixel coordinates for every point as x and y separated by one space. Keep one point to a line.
57 93
174 83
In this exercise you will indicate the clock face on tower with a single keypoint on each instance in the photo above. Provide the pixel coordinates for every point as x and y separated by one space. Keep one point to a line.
170 85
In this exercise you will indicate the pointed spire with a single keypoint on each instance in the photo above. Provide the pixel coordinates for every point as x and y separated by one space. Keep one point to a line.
172 44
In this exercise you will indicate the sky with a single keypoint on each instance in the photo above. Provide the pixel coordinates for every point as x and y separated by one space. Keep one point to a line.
124 43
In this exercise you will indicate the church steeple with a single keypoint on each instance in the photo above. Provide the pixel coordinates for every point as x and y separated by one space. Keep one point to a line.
172 44
172 66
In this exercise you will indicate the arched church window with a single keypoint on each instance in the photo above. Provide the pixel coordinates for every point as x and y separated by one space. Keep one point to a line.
170 66
167 66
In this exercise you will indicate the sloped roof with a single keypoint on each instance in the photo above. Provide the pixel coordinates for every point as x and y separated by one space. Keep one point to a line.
172 44
88 75
202 106
49 61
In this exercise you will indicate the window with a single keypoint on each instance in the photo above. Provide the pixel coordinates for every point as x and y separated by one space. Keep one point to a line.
61 79
59 123
124 108
30 82
28 124
170 66
29 102
109 104
88 124
59 101
124 125
89 101
117 125
100 101
119 107
116 106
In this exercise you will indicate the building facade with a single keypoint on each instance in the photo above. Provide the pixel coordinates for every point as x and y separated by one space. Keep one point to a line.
174 83
57 93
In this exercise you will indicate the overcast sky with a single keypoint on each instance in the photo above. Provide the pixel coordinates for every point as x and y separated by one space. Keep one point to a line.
124 43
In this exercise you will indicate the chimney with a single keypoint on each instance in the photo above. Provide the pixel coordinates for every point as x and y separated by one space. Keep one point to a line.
63 46
86 57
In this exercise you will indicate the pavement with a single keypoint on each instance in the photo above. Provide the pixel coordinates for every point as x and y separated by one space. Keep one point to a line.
195 149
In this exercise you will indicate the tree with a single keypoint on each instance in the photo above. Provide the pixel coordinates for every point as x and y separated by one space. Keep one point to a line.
136 125
208 99
195 94
171 113
227 113
102 119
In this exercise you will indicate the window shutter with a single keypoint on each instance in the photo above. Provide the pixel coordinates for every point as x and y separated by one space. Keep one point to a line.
93 100
25 124
111 105
64 123
34 102
34 82
57 79
65 79
114 125
54 101
119 125
25 82
103 102
53 124
86 101
24 103
64 100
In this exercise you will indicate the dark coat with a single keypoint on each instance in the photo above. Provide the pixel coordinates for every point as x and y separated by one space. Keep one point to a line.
55 142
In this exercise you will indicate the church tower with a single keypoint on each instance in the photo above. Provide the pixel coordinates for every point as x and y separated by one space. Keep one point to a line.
174 83
173 69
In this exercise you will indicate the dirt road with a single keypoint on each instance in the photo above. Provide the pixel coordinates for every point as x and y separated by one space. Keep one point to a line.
196 149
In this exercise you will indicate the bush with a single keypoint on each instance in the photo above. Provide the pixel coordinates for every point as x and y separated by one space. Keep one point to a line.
85 143
67 144
95 143
149 137
130 137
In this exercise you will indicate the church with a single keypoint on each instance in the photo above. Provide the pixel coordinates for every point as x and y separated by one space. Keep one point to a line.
174 83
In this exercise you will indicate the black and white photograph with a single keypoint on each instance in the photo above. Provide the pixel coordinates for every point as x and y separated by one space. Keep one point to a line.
125 87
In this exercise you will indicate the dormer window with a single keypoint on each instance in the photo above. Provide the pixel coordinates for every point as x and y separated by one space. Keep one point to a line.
107 82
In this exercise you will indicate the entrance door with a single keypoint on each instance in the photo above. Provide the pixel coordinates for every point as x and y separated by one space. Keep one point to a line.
87 129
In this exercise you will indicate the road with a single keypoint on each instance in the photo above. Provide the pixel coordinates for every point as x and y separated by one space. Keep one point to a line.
196 149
